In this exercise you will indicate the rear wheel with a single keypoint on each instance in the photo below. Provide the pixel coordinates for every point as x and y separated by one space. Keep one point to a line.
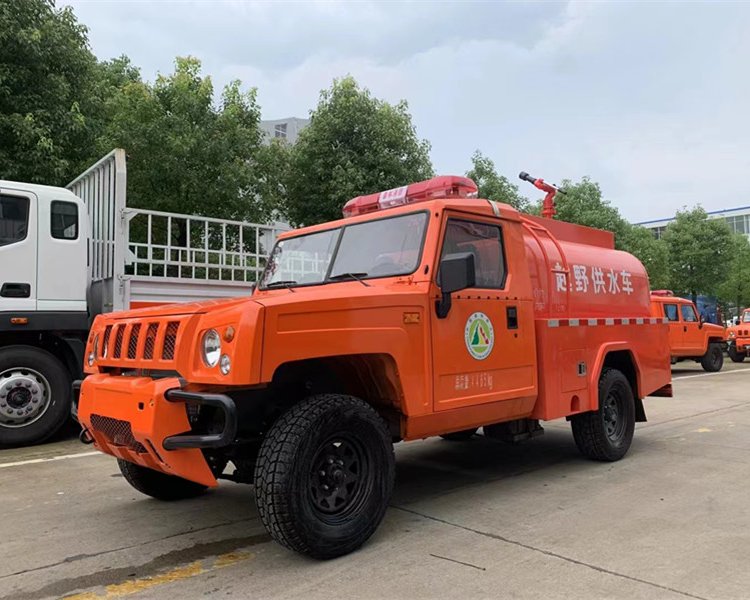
460 436
159 485
606 434
324 475
735 356
34 395
713 359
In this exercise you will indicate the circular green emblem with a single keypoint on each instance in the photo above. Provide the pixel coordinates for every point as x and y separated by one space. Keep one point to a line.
479 335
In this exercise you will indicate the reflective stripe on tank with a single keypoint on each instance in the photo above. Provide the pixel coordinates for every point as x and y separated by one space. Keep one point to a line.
605 322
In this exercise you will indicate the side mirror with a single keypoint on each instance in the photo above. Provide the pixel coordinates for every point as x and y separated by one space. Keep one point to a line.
457 272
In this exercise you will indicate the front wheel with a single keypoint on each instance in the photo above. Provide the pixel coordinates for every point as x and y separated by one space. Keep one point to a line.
713 359
159 485
324 475
35 395
606 434
734 355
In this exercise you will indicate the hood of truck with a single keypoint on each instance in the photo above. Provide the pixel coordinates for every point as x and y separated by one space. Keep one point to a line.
179 308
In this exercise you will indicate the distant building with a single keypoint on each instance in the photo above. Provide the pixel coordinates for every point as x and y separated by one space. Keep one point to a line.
738 220
287 129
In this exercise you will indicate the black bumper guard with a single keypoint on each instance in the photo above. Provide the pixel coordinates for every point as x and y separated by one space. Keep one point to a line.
211 440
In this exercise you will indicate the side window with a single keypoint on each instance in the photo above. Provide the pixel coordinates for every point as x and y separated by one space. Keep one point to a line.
14 219
485 242
688 313
670 311
64 220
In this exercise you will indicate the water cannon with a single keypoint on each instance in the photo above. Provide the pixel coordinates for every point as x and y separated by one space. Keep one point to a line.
548 206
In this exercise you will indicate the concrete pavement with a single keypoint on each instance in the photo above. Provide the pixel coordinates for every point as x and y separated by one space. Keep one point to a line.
468 519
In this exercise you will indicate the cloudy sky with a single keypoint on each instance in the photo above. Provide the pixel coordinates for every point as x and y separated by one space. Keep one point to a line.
651 100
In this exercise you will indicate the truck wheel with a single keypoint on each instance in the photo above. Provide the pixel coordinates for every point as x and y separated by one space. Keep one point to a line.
735 356
460 436
159 485
34 395
324 475
606 434
713 359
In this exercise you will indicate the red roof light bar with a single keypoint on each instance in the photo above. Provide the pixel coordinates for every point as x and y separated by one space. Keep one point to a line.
445 186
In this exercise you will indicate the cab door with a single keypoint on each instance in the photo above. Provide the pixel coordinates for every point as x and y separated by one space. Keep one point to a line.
693 335
676 333
484 350
18 250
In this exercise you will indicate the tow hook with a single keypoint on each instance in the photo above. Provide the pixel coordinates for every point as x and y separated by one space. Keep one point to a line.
85 437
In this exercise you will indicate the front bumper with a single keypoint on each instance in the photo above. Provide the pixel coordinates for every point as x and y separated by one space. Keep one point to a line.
144 421
740 344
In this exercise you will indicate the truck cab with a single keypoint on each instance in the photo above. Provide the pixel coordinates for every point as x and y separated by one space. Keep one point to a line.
738 337
43 311
690 338
425 311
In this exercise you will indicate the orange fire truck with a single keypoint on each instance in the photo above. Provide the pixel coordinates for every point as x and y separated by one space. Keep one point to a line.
424 312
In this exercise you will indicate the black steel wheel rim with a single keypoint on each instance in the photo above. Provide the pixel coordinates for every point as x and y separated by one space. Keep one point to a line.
340 479
614 416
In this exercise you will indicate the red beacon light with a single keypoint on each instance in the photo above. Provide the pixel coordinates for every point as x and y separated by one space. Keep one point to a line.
445 186
662 293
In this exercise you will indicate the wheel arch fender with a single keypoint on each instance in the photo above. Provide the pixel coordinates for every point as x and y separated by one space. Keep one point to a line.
620 356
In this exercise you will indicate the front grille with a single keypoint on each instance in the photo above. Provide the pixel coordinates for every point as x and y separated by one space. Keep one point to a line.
118 341
117 432
148 347
133 341
170 340
127 343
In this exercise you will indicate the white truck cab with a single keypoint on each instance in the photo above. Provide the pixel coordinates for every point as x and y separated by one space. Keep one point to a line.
67 255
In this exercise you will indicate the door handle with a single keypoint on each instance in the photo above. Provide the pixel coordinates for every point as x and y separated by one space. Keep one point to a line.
15 290
684 328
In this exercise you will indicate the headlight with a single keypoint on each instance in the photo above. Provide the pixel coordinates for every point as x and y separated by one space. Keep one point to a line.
94 351
211 347
732 334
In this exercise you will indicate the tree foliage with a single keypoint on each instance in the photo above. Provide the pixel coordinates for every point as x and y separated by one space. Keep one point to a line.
355 144
184 153
46 72
700 252
736 287
494 186
653 253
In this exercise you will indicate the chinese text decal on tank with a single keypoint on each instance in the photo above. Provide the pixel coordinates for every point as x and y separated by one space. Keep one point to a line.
597 279
479 335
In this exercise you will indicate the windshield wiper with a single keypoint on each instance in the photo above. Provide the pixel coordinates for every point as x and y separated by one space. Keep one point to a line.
355 276
285 284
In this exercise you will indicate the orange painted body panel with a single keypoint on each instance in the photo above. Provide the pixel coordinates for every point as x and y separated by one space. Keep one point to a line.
568 299
687 339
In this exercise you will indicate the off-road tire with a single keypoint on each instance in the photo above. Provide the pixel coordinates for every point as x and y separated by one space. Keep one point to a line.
300 456
460 436
713 359
159 485
57 411
734 356
606 434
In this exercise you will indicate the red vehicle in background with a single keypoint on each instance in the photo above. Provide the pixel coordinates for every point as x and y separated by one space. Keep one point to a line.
738 337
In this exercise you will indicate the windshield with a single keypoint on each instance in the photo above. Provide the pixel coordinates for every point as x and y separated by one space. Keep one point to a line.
381 248
746 317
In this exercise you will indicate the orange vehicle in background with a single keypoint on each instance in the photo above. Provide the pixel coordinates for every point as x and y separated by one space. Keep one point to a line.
690 338
424 312
738 337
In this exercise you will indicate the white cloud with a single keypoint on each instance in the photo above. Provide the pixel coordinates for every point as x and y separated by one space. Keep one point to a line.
648 99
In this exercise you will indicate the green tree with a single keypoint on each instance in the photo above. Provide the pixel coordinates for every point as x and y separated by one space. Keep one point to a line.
355 144
736 287
700 252
582 203
494 186
45 73
653 253
184 153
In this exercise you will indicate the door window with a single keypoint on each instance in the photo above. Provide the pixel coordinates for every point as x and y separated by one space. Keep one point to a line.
64 221
670 311
14 219
485 242
688 313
